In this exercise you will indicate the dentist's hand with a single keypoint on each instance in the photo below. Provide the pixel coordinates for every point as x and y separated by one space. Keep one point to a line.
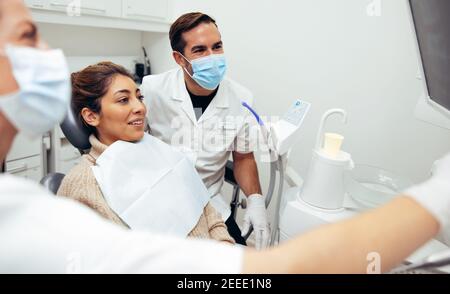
434 194
256 216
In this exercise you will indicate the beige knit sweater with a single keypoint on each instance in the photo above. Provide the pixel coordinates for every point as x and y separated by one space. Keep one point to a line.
80 184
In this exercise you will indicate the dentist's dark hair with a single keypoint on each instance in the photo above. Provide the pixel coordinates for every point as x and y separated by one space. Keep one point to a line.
91 84
183 24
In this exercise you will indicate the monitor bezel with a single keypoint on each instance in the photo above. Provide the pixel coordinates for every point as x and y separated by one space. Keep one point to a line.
435 105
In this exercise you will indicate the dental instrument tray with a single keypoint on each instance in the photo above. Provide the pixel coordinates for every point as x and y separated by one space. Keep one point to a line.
372 187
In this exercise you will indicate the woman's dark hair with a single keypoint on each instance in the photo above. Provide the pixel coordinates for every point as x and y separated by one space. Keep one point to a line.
91 84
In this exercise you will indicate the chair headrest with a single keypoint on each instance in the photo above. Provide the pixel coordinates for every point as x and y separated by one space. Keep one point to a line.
75 131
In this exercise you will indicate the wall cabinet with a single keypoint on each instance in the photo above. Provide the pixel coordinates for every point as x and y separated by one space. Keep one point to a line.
37 4
29 168
24 147
26 158
145 10
142 15
107 8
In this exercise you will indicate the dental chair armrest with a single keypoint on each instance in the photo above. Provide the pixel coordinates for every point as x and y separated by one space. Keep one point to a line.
52 182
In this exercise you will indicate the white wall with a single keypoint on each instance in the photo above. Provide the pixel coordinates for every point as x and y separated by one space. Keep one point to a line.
333 54
88 41
159 51
87 45
84 46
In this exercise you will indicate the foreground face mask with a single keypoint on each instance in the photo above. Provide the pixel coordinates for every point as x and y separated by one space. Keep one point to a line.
44 89
208 71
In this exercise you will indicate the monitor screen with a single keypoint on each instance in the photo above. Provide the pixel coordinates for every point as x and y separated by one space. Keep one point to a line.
432 22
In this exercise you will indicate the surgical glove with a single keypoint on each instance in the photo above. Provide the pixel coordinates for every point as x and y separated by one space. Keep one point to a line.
256 216
434 194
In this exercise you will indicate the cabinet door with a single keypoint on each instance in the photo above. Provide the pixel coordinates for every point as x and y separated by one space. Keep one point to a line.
146 9
24 147
36 4
110 8
29 168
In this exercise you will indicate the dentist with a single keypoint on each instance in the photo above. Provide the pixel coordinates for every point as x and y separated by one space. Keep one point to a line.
196 106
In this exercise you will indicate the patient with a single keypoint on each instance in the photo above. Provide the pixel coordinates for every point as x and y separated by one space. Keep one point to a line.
111 107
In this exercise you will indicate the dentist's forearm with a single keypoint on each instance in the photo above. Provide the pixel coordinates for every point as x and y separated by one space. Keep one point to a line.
393 231
246 173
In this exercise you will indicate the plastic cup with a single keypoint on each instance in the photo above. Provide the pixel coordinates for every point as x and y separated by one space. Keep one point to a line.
332 144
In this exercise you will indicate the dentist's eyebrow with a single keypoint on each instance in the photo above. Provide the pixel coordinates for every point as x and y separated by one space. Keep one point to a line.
198 47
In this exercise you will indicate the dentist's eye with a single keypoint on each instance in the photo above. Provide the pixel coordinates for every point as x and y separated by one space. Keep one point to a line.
29 35
141 98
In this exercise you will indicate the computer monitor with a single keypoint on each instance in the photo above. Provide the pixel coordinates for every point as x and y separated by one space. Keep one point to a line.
431 24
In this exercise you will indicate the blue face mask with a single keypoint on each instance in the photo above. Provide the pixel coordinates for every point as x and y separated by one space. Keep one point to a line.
208 71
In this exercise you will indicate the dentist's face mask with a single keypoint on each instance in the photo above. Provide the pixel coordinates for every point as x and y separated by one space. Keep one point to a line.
208 71
44 89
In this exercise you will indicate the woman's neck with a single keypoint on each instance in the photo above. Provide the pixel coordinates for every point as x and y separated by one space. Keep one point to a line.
97 147
104 140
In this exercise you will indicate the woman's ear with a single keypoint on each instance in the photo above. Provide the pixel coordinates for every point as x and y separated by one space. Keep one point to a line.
90 117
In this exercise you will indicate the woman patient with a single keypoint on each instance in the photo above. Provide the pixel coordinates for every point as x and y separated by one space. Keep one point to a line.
111 107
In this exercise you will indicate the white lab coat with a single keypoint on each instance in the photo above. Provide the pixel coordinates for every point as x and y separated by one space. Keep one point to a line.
224 127
41 233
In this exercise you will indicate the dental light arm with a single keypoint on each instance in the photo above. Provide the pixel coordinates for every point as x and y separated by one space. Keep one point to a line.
280 139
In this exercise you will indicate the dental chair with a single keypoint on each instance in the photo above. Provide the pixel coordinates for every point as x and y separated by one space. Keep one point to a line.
78 136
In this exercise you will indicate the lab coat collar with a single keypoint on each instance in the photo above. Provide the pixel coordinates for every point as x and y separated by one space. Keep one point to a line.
221 101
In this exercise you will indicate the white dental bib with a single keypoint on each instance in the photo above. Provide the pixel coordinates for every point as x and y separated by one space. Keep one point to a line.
151 186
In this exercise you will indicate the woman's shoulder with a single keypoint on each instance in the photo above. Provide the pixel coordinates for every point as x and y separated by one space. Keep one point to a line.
82 167
79 176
